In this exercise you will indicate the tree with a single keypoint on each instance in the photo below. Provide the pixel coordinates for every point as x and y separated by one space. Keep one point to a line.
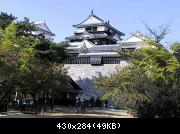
52 78
8 41
148 87
158 34
30 63
8 60
26 28
176 50
40 54
6 20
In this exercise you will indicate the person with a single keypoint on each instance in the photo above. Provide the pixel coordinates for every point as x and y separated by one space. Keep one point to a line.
106 102
52 103
82 104
77 104
92 101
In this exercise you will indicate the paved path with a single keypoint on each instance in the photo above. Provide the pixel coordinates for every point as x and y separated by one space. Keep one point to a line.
67 112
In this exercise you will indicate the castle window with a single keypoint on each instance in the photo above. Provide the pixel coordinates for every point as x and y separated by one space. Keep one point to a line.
104 42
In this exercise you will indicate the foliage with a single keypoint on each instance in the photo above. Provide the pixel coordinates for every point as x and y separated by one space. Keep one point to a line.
6 20
176 49
149 86
29 63
8 39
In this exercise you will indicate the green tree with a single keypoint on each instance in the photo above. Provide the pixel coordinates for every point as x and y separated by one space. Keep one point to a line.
8 61
38 82
40 54
176 50
148 87
6 20
30 63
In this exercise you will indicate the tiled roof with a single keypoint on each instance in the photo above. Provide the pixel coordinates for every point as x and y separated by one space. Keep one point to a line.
99 22
42 26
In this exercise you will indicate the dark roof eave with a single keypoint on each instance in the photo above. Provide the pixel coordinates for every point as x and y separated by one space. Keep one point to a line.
107 37
73 39
52 34
121 33
80 25
100 24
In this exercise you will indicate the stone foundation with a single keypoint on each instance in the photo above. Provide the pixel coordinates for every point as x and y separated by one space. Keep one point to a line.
84 74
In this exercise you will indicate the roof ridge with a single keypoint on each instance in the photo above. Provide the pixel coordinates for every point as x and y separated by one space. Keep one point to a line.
91 15
43 23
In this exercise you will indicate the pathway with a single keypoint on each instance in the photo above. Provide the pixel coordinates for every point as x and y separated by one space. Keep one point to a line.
69 112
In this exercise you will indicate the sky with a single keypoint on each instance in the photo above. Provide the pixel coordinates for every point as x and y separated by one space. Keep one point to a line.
125 15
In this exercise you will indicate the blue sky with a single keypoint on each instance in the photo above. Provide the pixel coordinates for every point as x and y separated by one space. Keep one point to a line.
125 15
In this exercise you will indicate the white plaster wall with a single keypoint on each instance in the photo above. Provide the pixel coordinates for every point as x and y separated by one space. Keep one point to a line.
47 36
79 30
101 28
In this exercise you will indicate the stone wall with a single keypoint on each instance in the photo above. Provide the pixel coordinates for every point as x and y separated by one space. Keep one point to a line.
83 75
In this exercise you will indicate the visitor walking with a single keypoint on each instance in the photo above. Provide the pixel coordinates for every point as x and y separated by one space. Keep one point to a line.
82 100
77 104
52 103
106 102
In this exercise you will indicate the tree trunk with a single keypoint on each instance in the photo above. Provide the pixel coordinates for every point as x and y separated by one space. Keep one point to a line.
45 101
45 105
35 107
35 104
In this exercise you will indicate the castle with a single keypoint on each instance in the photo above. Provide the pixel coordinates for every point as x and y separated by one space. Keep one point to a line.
94 50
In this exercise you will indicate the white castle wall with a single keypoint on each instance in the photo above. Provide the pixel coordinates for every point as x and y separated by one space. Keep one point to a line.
83 75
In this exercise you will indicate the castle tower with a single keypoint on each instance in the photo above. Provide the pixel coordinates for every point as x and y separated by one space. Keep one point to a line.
93 51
